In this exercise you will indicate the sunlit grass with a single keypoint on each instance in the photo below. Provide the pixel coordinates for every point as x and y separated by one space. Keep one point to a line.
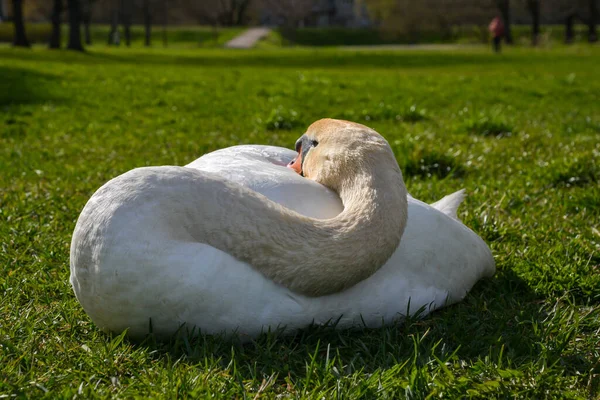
518 131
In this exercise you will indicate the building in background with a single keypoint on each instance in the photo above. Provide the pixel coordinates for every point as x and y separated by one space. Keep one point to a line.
346 13
313 13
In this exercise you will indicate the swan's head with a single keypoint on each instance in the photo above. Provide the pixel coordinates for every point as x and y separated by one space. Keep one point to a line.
332 150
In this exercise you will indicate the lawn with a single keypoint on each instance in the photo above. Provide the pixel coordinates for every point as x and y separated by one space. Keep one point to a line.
520 132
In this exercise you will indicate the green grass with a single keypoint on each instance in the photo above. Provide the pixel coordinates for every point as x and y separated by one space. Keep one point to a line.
69 122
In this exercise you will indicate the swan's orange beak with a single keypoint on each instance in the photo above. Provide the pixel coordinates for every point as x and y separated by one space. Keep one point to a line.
296 163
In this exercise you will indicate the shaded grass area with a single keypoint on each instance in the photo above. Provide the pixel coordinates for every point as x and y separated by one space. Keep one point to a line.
69 122
24 86
315 58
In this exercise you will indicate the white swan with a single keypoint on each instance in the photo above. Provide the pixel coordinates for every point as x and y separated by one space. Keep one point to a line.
129 274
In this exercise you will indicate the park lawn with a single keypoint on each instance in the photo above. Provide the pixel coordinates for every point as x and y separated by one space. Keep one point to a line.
520 132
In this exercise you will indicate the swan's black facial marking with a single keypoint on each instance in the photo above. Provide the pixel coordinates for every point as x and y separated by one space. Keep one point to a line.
303 145
306 144
299 144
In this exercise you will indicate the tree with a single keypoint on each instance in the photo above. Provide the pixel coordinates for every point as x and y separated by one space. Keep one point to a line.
534 9
207 12
504 8
237 10
219 12
291 12
126 17
569 10
592 21
569 32
20 39
409 19
147 23
86 18
165 23
379 10
55 38
74 25
113 34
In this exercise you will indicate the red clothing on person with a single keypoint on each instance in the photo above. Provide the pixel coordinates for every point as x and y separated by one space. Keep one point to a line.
496 27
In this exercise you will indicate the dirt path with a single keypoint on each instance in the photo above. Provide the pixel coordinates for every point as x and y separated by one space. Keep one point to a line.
248 39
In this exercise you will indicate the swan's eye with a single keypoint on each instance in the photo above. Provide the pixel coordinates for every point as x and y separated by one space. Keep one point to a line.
314 143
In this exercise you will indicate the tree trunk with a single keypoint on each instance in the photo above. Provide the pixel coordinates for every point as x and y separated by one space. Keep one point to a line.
215 31
2 12
113 35
74 25
126 16
56 20
230 15
592 33
147 23
569 33
20 39
241 12
86 18
127 34
534 9
86 32
504 7
165 22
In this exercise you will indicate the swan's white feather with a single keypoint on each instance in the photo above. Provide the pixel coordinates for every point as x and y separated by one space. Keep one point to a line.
449 204
128 279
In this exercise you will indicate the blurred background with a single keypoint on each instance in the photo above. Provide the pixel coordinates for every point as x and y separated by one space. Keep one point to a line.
296 22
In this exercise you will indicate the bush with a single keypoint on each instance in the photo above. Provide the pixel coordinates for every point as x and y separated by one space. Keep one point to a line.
455 34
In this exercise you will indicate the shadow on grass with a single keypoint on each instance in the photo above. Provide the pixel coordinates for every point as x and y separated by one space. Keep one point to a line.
426 164
577 173
24 86
500 320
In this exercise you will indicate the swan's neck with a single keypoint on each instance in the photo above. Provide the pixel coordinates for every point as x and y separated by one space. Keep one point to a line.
309 256
363 236
319 257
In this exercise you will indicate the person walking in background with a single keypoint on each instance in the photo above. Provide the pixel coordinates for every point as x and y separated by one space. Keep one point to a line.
497 30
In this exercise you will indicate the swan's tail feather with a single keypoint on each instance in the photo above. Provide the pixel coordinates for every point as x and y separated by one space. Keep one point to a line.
449 204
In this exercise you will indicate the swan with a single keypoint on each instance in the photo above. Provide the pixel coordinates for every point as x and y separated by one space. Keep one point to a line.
161 247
